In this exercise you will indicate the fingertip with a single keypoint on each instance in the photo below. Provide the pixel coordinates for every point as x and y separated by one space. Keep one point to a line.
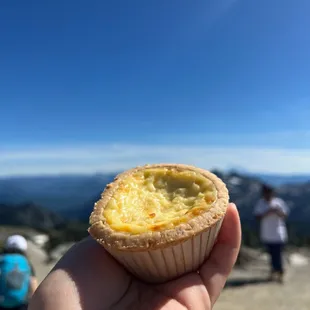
232 205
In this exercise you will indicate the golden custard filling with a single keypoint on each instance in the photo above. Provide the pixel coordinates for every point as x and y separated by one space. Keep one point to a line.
158 198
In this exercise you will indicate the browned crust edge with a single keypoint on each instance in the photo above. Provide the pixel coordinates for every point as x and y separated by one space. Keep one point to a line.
107 237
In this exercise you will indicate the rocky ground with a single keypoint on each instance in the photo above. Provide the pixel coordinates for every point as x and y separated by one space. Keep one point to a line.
247 288
251 291
39 260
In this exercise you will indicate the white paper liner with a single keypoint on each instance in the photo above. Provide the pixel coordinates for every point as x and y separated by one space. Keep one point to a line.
168 263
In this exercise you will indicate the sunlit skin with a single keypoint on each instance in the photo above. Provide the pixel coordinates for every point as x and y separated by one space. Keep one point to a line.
88 278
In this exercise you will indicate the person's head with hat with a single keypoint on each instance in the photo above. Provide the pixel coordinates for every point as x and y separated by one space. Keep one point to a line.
16 244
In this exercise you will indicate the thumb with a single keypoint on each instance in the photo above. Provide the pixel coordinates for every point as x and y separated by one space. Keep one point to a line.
216 269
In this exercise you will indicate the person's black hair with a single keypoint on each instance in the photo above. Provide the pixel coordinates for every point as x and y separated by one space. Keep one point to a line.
267 189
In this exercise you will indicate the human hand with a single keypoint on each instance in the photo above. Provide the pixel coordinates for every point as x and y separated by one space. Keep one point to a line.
88 278
277 211
274 206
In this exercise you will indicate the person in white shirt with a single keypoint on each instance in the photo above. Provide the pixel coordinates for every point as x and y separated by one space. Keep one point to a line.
272 212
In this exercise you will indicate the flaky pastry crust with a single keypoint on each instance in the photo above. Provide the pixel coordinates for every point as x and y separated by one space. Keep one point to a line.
107 237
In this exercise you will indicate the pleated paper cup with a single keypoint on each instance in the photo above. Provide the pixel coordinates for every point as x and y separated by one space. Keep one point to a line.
161 265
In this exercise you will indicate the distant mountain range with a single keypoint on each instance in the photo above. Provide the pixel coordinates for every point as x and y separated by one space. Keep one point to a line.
30 215
72 197
59 193
278 180
274 179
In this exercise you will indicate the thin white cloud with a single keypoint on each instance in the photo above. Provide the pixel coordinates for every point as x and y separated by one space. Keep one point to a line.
276 139
111 158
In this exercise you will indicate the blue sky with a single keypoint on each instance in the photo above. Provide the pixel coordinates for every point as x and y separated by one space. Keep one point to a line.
103 85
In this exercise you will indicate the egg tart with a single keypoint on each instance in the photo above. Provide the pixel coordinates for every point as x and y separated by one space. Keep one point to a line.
160 221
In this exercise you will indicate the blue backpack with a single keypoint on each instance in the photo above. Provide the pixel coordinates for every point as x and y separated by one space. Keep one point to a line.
15 273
